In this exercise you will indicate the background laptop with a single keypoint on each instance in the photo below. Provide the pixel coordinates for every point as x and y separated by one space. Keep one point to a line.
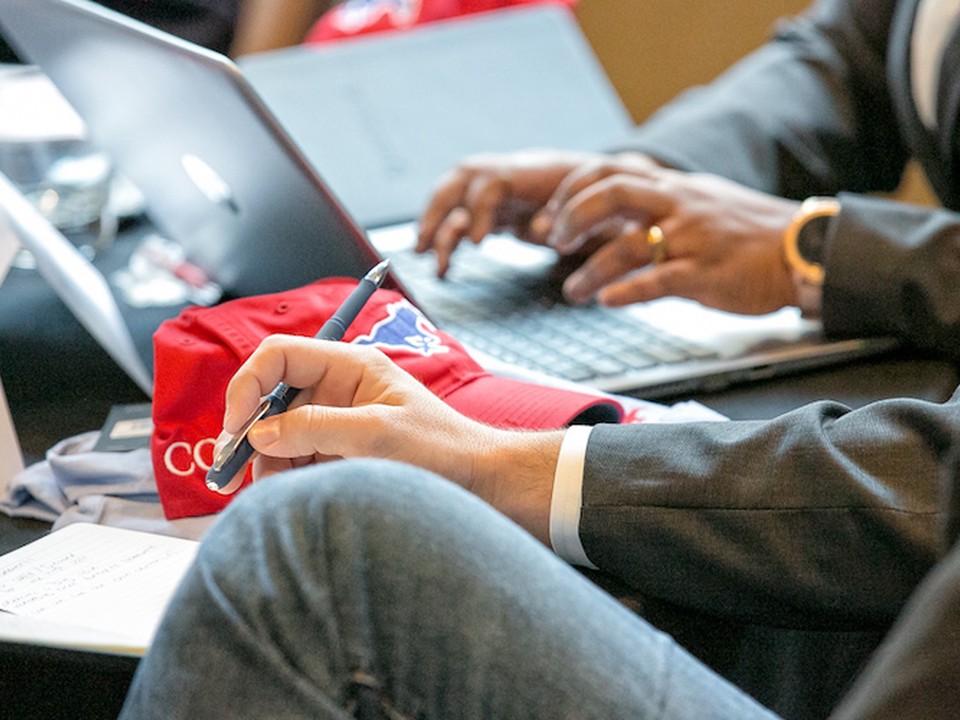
383 117
222 175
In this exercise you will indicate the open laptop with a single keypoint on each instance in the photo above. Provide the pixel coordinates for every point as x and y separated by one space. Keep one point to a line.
223 176
383 117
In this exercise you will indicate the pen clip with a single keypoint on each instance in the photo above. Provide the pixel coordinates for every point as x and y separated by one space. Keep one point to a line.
230 448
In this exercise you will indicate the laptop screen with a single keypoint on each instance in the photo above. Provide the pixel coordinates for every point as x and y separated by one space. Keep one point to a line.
383 117
218 174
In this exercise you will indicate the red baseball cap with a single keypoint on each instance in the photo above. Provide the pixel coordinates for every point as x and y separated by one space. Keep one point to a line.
196 354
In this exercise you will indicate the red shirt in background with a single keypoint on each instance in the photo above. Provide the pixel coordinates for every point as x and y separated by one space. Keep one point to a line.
360 17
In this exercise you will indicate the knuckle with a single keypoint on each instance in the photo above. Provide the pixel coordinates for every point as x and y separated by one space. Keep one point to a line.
615 190
271 342
626 251
313 419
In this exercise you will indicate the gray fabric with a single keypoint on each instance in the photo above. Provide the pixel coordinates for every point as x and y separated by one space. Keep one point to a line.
802 537
76 484
893 269
914 674
822 517
368 579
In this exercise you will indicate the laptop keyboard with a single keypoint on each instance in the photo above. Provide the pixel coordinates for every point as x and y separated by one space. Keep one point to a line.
517 315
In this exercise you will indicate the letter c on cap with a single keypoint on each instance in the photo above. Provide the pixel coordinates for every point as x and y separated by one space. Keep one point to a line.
194 457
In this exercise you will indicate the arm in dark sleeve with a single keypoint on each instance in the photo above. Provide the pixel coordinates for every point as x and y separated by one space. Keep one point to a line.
811 113
823 517
808 113
914 673
892 269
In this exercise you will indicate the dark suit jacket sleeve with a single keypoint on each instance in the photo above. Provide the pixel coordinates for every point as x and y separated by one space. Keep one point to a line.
914 673
824 517
811 113
892 269
808 113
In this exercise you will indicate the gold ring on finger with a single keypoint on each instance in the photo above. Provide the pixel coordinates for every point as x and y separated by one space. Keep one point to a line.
657 244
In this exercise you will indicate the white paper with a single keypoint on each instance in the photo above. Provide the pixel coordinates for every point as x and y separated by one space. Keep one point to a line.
34 631
91 586
11 456
32 108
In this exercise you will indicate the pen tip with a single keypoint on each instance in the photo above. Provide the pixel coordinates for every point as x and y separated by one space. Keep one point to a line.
379 272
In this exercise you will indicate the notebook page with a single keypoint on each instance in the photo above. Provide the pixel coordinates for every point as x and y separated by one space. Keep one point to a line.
110 581
36 631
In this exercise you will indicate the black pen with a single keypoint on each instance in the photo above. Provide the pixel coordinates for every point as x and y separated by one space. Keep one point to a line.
237 451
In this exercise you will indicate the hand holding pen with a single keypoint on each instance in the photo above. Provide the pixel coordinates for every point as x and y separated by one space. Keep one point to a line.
224 475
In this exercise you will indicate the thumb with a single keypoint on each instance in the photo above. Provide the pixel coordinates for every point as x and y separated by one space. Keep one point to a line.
290 434
310 429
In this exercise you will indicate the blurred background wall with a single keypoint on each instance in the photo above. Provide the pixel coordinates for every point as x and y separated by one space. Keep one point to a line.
654 49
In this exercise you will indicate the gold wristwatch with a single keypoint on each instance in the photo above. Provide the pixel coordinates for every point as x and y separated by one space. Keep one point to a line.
803 249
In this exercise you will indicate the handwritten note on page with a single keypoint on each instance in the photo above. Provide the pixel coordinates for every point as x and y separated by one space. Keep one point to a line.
91 586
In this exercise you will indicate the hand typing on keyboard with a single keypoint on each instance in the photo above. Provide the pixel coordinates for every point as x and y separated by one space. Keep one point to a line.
715 232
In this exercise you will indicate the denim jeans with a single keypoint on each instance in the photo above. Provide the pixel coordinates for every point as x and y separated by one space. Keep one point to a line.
373 589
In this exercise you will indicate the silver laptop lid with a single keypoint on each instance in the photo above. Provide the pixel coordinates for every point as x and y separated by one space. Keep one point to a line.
383 117
218 173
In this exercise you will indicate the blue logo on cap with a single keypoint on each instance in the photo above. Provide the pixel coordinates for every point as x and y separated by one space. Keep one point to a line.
354 15
404 329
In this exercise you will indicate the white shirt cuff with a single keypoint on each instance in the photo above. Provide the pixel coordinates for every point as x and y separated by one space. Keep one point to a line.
567 500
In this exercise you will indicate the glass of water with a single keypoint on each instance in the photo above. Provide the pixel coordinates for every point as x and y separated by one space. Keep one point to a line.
45 153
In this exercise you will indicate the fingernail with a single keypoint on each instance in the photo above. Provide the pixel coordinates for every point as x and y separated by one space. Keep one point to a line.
573 288
221 440
557 237
540 225
228 420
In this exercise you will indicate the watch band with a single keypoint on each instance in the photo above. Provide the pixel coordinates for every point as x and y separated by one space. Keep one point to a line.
809 270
